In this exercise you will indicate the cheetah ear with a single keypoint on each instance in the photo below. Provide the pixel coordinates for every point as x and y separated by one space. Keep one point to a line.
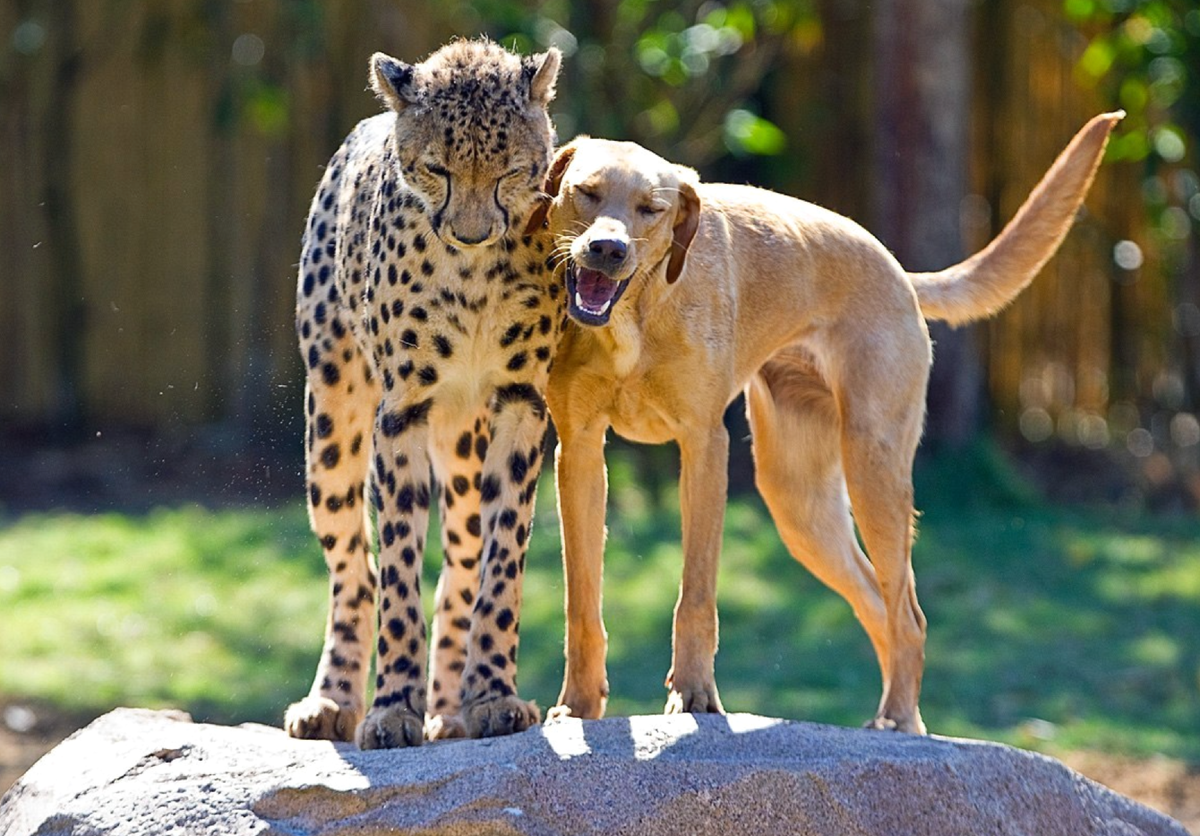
550 187
543 72
393 82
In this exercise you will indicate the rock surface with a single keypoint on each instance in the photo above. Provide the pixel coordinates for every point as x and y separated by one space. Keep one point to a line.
144 772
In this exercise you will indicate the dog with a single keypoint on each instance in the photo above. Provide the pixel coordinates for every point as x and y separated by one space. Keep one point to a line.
682 294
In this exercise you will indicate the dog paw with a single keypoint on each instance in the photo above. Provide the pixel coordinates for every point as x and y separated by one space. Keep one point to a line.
882 722
493 717
390 728
559 712
444 727
701 699
320 718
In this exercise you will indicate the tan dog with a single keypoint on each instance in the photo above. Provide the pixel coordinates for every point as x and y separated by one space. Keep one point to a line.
684 294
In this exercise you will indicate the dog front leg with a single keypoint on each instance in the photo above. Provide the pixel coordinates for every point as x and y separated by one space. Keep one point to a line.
582 482
703 483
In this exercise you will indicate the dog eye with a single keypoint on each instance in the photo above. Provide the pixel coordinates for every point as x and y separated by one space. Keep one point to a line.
590 194
650 211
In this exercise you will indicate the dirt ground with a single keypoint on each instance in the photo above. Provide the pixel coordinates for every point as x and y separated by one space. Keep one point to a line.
28 731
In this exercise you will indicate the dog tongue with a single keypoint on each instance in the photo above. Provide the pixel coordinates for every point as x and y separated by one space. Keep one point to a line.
595 290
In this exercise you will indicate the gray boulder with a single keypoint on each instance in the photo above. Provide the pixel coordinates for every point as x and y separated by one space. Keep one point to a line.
144 772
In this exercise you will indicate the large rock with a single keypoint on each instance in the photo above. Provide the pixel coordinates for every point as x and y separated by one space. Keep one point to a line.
143 772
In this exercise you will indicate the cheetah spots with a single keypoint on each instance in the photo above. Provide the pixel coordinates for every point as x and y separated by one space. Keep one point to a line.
324 426
460 484
517 361
518 467
505 619
442 346
428 375
490 489
510 335
330 374
520 393
330 456
408 339
474 528
462 448
394 423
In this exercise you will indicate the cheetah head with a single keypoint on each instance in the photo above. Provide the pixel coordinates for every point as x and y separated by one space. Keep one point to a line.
472 137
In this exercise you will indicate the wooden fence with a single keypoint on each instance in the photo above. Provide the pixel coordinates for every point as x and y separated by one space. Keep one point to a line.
155 176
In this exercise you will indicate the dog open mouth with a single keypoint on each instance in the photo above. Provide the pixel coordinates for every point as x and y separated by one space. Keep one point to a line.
591 295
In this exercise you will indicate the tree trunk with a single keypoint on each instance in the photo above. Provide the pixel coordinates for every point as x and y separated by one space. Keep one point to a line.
922 88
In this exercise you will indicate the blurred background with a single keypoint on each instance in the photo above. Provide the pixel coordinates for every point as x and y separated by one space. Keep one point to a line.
157 158
160 156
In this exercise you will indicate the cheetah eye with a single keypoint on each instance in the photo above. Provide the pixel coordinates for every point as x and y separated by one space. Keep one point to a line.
435 169
512 172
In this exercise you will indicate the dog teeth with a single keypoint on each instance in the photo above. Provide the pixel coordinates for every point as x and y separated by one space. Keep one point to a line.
579 303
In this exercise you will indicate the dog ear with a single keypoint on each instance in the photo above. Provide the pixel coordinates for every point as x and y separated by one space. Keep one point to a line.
687 221
553 181
550 187
394 82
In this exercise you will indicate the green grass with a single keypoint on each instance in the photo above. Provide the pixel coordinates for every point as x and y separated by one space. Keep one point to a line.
1050 628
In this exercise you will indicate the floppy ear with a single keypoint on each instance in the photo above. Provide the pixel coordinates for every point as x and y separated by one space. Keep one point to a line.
550 187
542 71
393 82
687 221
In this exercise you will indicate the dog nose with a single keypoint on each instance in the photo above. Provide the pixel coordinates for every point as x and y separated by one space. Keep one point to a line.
609 249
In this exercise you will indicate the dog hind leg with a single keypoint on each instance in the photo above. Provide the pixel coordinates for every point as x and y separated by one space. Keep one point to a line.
798 472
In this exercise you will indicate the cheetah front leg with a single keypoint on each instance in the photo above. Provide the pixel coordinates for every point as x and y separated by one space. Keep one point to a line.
490 705
340 400
402 494
458 458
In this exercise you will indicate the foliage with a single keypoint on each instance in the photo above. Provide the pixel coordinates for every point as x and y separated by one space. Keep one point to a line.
1049 628
698 67
1145 56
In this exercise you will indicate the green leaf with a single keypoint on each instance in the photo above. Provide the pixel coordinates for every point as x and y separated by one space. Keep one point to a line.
746 133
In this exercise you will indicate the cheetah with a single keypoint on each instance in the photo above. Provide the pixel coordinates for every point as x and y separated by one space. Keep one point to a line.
427 320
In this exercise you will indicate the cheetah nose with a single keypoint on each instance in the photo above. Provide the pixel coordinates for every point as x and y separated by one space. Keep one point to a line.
609 249
469 240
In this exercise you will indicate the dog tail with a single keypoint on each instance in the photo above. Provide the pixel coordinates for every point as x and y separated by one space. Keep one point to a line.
990 279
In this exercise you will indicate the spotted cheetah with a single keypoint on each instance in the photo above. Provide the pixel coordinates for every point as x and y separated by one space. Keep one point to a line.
427 319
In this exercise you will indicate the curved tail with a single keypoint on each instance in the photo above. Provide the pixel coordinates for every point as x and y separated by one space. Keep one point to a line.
990 279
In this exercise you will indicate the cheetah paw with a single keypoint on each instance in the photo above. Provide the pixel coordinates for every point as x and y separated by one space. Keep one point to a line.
702 699
390 728
320 718
500 716
444 727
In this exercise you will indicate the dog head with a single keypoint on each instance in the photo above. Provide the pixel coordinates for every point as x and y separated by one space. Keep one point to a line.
621 217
